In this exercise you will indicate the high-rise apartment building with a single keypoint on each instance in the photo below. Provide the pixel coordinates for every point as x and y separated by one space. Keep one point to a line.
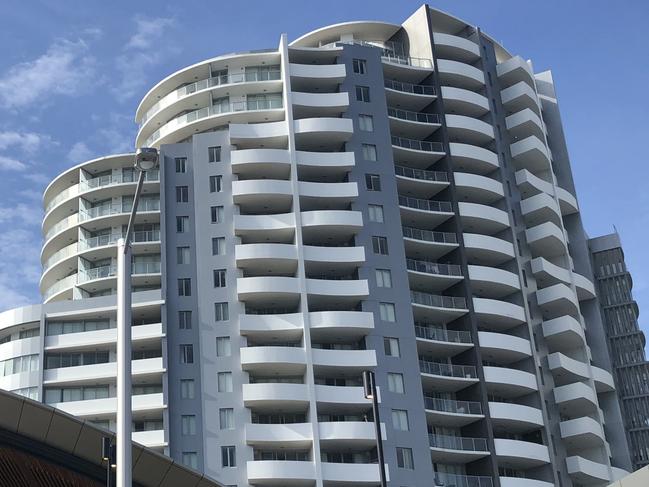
626 342
369 196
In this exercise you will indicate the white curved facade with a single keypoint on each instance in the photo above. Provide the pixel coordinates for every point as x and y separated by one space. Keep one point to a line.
370 196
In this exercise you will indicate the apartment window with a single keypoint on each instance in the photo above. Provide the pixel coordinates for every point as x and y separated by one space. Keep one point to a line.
186 354
216 214
216 184
182 224
187 389
182 254
221 312
363 94
395 383
226 418
184 287
369 152
228 456
524 277
375 213
224 382
188 425
181 164
391 346
520 249
218 246
219 277
400 419
373 182
366 123
223 348
383 278
182 194
190 459
185 320
509 188
380 245
404 458
214 154
387 313
360 66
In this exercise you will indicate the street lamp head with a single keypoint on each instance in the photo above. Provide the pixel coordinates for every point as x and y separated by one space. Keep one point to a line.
146 158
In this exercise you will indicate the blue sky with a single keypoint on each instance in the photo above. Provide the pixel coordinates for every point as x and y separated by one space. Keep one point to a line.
72 73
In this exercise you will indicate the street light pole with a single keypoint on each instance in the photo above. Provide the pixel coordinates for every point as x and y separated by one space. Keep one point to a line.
369 388
145 160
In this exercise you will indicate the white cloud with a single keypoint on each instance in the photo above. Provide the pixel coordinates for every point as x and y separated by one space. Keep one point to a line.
26 214
18 283
147 32
66 68
79 152
11 164
27 141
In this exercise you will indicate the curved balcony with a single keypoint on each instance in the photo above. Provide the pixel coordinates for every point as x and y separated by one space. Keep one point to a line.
66 254
413 124
467 157
484 249
491 282
563 333
351 397
515 418
547 273
347 434
333 195
202 119
603 380
419 182
308 77
292 435
141 334
142 369
58 231
330 225
456 449
446 377
540 208
406 68
332 292
513 70
437 308
256 163
431 276
448 46
340 323
268 288
451 479
61 289
318 260
439 342
468 129
464 102
582 433
324 164
522 482
586 471
259 135
448 412
361 474
509 383
498 315
546 240
265 228
585 287
459 74
566 370
319 104
93 408
567 202
325 361
576 399
557 300
520 454
282 360
289 326
531 153
408 96
419 153
530 185
288 397
260 257
426 244
477 189
19 348
423 213
524 124
322 132
263 195
519 96
504 349
277 472
482 219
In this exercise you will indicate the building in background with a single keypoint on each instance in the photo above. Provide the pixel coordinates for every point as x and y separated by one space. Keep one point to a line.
395 197
626 342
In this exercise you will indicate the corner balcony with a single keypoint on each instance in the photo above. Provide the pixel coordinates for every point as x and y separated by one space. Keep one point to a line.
420 183
414 124
509 383
491 282
426 244
409 96
441 343
504 349
478 189
419 153
487 250
347 324
531 185
309 77
531 153
582 433
557 300
567 201
513 70
282 360
539 209
585 287
563 333
482 219
515 418
431 276
464 102
456 449
274 396
451 413
519 454
547 273
576 399
474 159
460 75
424 213
448 46
520 96
468 129
546 240
446 377
319 104
525 123
437 308
586 471
498 315
567 370
603 380
256 163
